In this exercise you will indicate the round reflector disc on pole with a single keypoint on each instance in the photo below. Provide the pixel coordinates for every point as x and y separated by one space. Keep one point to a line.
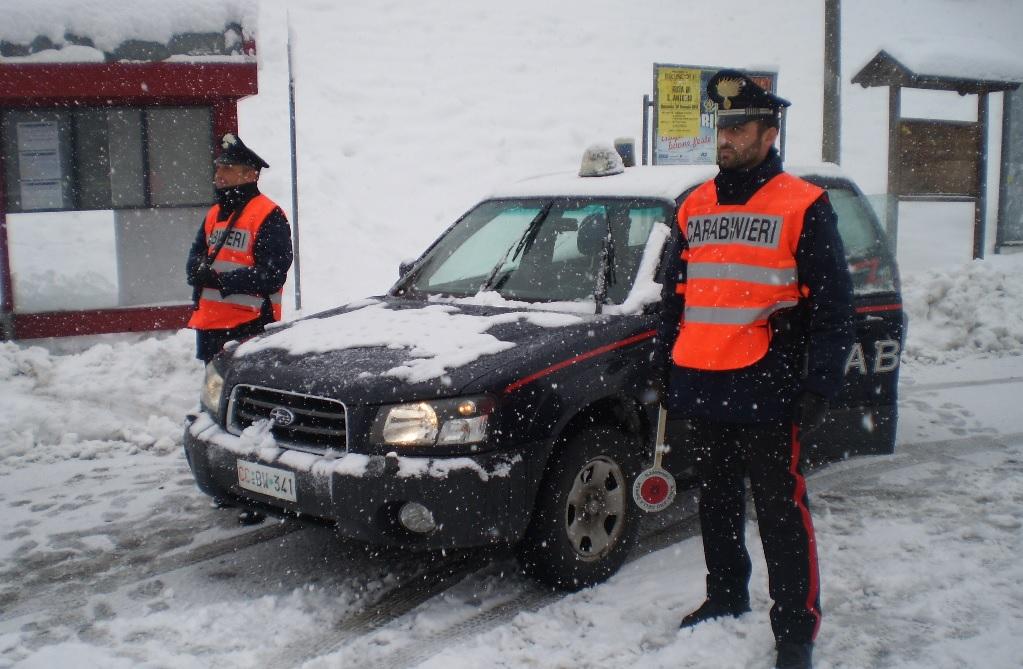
654 489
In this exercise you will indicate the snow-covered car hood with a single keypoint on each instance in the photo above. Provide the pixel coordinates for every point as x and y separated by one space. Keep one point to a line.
387 349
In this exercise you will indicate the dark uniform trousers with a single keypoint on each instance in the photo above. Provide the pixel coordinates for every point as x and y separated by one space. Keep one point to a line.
769 455
209 343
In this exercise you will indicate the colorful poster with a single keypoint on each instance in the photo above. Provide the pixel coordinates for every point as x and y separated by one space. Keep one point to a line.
683 127
684 131
678 91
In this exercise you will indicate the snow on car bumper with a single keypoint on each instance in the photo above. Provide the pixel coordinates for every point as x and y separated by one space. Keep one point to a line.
475 500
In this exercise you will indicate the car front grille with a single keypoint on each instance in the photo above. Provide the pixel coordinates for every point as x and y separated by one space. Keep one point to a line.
299 422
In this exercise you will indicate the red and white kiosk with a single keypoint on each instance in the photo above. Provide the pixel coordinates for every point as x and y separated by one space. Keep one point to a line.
105 173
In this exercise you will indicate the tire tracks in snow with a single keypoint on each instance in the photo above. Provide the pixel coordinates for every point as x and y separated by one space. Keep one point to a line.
949 385
405 598
66 589
531 598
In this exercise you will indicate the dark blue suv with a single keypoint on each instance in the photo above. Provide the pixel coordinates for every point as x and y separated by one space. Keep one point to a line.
500 391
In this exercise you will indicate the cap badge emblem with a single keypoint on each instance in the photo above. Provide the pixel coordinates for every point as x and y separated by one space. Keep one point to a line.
728 88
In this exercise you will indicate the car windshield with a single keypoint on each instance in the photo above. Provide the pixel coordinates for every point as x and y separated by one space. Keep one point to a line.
549 250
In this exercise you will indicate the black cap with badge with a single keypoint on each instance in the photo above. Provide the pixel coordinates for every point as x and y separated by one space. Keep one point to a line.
234 152
739 99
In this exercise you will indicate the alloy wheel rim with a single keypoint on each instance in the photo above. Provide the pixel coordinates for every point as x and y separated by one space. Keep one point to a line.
595 508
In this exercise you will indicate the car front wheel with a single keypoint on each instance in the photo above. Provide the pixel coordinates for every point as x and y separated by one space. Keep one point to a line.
584 522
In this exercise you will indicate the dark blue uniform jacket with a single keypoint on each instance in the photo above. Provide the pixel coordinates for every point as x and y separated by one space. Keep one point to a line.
811 342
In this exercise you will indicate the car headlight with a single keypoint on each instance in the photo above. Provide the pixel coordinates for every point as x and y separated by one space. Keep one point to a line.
434 423
212 390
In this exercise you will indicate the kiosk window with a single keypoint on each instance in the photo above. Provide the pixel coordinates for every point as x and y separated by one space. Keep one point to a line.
180 156
108 158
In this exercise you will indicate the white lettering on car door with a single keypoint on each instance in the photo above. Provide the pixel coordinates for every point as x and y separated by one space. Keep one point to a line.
886 357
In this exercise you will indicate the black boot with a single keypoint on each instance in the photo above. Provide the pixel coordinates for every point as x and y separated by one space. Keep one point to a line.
711 609
794 655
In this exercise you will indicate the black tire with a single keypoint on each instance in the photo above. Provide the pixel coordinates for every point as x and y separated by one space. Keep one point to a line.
584 522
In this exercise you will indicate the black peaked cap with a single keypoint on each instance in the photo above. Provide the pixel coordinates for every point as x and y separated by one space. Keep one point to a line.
739 99
234 152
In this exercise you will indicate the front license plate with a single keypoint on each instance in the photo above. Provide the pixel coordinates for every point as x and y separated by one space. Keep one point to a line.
267 480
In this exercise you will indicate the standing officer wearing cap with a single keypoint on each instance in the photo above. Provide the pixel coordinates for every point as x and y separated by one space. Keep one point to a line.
240 257
756 328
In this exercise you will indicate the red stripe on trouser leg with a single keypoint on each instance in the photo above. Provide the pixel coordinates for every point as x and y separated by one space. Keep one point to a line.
799 497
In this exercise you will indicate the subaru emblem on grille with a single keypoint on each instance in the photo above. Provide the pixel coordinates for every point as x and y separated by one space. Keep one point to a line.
282 416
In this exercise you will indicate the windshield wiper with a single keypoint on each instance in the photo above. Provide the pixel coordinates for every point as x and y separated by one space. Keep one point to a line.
523 245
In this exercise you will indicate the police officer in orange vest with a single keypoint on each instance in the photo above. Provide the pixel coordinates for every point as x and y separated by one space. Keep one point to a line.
756 328
240 257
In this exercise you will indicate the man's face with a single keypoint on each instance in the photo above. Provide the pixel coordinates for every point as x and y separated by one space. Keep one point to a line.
744 146
226 176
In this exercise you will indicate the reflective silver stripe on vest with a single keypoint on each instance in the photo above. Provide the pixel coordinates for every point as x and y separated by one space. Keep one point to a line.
254 301
741 272
733 315
227 266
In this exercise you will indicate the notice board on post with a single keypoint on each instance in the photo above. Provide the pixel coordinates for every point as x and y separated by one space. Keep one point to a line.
684 129
939 159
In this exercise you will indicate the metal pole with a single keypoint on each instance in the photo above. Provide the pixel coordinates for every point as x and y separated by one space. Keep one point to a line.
831 140
891 222
294 178
980 204
646 128
1003 173
6 287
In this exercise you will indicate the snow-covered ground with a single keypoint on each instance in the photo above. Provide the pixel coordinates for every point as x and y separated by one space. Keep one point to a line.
409 113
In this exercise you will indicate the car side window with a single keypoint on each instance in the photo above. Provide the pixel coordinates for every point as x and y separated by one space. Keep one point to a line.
866 251
641 222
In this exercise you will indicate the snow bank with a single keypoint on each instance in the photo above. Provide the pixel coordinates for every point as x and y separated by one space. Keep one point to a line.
109 399
973 309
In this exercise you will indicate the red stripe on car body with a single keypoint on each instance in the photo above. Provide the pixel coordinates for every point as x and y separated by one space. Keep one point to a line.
878 307
582 356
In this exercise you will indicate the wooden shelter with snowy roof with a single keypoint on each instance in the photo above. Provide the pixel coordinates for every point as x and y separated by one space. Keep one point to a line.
940 160
106 149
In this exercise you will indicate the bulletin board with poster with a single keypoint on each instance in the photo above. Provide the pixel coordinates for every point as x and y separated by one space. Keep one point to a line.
684 131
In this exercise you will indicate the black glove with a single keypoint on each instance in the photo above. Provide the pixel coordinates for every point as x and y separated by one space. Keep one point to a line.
207 278
810 411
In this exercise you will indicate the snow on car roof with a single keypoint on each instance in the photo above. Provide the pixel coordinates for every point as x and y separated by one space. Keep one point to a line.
660 181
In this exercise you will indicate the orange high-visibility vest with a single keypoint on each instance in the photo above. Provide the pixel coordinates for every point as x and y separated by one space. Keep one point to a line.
216 312
740 269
